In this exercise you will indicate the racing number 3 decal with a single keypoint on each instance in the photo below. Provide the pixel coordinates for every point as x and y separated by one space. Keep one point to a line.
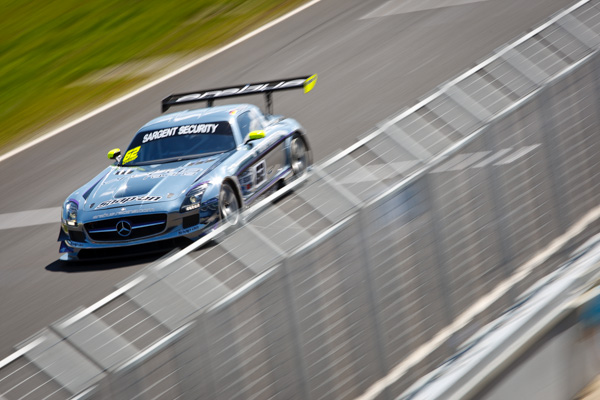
261 172
253 177
131 155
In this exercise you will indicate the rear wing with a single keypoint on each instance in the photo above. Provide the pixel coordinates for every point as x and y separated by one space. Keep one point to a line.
266 88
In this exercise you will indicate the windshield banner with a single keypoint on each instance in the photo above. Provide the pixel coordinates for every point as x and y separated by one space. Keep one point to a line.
180 130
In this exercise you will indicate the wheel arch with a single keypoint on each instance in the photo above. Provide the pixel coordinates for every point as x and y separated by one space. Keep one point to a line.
298 133
237 189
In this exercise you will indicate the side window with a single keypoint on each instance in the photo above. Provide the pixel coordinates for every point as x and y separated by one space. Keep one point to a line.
248 122
257 121
244 123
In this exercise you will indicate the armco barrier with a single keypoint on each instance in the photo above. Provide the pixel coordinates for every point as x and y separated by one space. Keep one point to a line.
369 267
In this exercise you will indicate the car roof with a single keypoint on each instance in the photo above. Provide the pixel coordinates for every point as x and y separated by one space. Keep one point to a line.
201 115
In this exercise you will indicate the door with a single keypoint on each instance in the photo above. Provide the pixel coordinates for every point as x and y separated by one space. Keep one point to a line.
268 157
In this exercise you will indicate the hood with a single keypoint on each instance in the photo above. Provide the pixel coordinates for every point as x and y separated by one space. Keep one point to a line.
130 186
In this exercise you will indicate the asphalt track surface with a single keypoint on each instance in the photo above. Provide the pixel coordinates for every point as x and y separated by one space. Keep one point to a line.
369 68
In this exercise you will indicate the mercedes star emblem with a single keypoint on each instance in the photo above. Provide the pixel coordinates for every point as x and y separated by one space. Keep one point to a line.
124 228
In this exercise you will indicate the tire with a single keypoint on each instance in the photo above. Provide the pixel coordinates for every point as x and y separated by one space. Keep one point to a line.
298 156
229 206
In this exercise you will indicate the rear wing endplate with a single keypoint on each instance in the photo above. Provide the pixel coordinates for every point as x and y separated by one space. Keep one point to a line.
266 88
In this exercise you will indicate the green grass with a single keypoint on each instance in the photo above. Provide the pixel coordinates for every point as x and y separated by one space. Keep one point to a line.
47 45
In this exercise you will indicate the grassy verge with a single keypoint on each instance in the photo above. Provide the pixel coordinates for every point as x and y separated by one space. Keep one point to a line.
47 46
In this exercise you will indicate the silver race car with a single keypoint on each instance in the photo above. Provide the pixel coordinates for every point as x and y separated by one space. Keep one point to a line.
185 173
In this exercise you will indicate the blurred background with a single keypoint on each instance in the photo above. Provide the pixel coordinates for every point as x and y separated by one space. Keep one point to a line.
447 228
60 58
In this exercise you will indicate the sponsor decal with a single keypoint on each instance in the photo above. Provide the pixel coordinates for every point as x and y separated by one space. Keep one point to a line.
258 88
161 173
188 230
180 130
120 213
163 133
131 155
125 200
200 162
199 128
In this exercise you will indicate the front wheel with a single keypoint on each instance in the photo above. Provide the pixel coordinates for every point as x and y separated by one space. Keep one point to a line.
229 207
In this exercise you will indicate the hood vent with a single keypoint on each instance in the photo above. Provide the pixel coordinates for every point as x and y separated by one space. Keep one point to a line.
136 187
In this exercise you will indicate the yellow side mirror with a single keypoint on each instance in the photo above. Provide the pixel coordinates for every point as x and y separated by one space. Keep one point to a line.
256 135
114 153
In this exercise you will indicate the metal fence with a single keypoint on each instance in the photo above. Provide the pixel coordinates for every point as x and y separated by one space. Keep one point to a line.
368 267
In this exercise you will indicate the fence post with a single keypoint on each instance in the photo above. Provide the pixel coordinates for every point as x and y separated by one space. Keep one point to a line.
372 297
438 252
295 328
550 143
499 209
193 350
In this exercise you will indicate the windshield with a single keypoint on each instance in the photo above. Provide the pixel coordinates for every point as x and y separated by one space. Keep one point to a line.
179 142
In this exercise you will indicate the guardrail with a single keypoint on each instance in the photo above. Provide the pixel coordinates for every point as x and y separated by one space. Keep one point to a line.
374 266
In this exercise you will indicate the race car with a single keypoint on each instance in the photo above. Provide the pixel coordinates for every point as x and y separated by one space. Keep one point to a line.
185 173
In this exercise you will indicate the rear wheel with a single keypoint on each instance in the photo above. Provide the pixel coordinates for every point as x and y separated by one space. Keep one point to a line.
298 155
229 207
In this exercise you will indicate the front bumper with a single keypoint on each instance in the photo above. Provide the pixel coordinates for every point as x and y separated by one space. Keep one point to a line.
82 240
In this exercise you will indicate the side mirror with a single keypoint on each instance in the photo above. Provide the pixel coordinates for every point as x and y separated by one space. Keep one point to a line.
114 153
254 135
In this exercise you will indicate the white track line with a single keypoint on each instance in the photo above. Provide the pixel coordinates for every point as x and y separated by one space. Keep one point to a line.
453 82
22 219
156 82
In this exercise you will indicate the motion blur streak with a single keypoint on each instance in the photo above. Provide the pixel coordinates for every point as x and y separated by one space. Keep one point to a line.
155 82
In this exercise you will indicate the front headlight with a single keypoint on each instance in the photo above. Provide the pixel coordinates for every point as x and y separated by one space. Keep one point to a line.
193 198
70 213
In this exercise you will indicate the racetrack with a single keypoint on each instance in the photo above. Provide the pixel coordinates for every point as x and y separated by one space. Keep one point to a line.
369 68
